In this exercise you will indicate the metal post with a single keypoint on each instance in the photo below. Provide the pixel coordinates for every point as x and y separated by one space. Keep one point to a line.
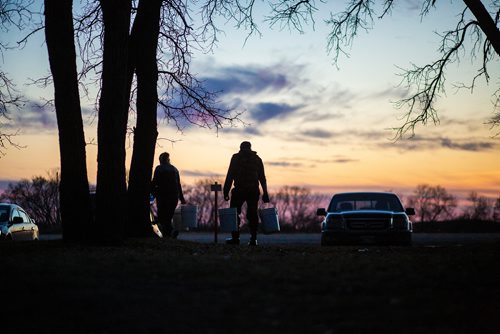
216 187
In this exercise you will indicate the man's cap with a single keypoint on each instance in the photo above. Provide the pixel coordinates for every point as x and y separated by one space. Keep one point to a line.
245 145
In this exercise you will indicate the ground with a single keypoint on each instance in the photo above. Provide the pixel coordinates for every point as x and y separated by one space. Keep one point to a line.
175 286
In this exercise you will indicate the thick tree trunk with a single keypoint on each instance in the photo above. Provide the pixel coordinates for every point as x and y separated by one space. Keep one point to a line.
486 22
74 187
112 125
144 42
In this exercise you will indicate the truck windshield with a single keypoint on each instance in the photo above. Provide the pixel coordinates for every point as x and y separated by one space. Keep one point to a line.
365 201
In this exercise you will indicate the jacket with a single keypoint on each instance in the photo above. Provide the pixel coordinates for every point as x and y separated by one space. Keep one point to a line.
166 182
246 170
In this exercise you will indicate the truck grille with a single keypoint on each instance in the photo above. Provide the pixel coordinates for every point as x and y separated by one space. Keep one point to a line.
368 224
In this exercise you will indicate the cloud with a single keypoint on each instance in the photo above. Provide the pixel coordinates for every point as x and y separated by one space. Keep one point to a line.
390 93
335 160
33 115
36 115
344 160
467 146
302 162
285 164
436 142
312 116
250 79
246 130
317 133
197 173
266 111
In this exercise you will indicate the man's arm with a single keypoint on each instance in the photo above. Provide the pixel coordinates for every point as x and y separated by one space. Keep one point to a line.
228 183
263 182
154 183
181 194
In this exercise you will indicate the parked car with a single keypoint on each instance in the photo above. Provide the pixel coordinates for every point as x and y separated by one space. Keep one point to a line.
366 217
16 224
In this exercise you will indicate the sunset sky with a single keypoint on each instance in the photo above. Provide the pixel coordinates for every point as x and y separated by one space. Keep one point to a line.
313 124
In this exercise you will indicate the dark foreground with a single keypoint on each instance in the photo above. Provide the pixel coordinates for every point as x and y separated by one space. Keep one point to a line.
174 286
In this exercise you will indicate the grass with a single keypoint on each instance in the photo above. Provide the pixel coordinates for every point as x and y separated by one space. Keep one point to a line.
153 286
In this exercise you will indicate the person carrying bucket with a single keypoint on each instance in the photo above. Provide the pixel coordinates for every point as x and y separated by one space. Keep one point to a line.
166 188
246 170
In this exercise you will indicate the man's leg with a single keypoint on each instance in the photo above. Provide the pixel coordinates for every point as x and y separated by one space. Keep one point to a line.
252 215
170 211
166 208
163 209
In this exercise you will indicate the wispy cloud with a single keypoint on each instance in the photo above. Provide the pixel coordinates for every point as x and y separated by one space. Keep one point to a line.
250 79
343 160
266 111
474 146
436 142
37 116
317 133
33 115
285 164
198 173
301 162
246 130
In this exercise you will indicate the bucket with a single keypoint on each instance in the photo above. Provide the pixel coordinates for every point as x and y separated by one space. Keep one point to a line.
228 219
177 220
269 219
189 216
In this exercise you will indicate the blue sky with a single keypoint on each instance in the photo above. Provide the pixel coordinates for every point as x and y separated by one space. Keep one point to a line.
314 124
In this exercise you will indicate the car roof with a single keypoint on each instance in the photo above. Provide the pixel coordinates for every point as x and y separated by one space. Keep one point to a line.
366 192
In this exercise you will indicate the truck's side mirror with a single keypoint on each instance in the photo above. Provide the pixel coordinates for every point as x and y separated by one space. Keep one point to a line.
410 211
17 220
321 212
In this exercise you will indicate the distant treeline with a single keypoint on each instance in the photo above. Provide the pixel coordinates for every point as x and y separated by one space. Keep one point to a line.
437 210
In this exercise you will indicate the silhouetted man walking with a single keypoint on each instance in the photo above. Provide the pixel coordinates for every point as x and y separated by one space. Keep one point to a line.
166 187
246 170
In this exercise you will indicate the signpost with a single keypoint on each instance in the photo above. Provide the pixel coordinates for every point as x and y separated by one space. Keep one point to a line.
215 187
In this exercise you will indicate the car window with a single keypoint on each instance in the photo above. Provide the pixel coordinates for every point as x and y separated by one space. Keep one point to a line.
365 201
15 213
24 216
4 213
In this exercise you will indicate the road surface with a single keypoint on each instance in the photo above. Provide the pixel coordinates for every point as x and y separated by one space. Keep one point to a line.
312 239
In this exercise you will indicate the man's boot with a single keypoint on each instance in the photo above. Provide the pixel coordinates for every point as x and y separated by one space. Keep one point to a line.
253 239
234 240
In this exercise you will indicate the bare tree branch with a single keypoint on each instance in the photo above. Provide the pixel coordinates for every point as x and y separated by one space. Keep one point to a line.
345 26
14 15
182 96
293 14
429 80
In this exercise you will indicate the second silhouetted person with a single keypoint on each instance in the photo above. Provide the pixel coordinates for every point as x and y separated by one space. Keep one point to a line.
166 187
246 170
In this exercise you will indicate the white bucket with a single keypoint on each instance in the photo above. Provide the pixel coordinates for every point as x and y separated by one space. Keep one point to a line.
185 217
177 220
189 216
269 219
228 219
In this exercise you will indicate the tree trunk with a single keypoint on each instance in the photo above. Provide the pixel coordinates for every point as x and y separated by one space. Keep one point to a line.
144 42
486 22
74 187
112 124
